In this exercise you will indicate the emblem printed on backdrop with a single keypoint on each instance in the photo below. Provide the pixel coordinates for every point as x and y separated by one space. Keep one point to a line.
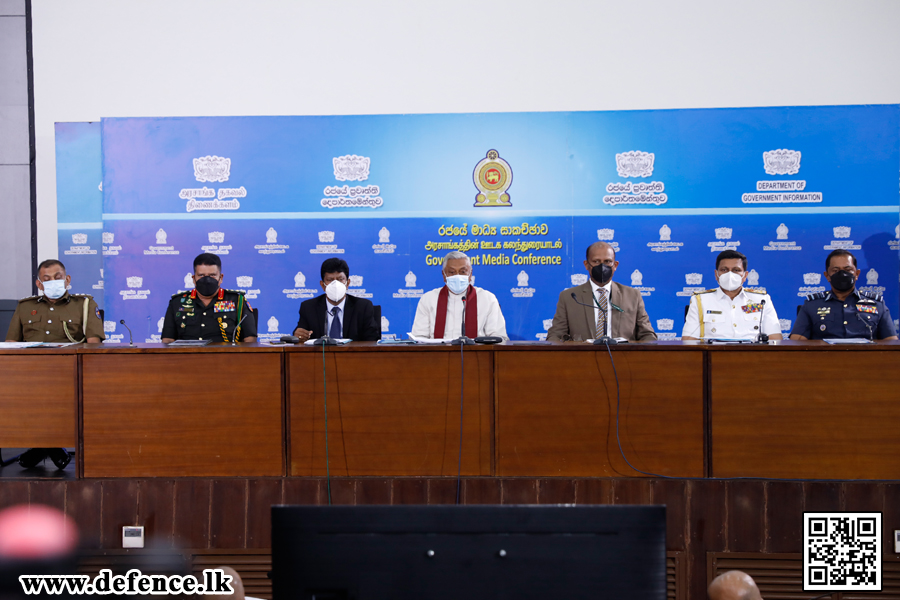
523 194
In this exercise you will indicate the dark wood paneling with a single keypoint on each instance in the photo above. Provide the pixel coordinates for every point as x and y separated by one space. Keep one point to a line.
373 490
821 496
390 413
863 497
481 490
706 530
784 516
890 519
556 413
410 491
443 491
305 490
672 493
156 511
518 491
780 415
119 508
228 513
38 401
48 493
192 510
556 491
83 505
631 491
746 515
593 491
343 491
261 495
186 414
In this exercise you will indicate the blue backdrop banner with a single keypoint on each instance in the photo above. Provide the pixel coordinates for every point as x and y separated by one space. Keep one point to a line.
522 194
79 206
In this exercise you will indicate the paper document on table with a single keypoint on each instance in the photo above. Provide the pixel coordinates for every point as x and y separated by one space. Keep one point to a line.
848 341
14 345
424 340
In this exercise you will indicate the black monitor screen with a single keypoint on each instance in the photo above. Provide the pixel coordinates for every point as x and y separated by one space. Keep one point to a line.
468 552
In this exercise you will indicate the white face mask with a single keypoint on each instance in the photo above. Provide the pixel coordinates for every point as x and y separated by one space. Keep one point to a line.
730 281
458 283
335 291
55 288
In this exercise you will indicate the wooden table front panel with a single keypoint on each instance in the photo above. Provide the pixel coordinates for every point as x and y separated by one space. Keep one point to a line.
193 414
390 412
805 414
38 401
556 413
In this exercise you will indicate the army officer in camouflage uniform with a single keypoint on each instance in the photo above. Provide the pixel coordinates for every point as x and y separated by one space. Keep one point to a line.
209 312
57 315
843 312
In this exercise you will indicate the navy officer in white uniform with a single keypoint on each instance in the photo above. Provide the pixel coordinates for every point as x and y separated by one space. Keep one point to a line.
731 311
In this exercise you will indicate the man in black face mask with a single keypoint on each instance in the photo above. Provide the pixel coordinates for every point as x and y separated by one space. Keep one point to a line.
600 306
844 312
209 312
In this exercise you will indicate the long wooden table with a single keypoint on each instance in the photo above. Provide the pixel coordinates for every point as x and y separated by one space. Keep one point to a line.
801 410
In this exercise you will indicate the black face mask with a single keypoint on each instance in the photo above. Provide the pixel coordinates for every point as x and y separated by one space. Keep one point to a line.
601 273
207 286
842 281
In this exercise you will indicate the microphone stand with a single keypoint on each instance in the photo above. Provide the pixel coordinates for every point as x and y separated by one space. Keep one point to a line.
130 337
604 339
325 340
234 337
762 338
463 340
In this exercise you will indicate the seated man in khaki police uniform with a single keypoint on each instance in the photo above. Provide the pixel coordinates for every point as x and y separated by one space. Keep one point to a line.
55 316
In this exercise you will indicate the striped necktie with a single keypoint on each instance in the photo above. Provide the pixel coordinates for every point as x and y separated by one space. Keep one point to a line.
601 315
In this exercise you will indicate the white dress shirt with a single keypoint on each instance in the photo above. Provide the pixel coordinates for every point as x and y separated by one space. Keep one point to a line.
490 318
723 317
329 309
608 288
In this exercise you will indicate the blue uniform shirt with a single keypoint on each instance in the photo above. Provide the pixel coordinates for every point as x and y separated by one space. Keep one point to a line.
860 315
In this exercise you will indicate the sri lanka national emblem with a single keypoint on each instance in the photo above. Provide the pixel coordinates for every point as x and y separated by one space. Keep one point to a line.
493 176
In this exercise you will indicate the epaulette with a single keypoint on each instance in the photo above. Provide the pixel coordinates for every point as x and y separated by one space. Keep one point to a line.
81 296
871 296
235 291
28 298
816 296
754 291
706 291
179 294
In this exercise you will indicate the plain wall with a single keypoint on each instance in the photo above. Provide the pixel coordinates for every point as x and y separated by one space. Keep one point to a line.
108 58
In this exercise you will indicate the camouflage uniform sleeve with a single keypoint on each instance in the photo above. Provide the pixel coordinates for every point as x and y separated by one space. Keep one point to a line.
94 325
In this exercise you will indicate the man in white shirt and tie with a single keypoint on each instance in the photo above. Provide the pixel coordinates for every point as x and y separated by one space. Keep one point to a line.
440 311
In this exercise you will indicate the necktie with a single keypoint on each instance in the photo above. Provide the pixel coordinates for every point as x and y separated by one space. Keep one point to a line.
335 323
601 315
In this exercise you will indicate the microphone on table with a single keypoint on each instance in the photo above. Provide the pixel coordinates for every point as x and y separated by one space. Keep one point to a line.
604 339
763 338
868 326
234 337
130 337
325 340
462 340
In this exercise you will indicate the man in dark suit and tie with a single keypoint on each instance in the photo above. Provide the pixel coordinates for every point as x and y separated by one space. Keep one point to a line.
600 306
340 315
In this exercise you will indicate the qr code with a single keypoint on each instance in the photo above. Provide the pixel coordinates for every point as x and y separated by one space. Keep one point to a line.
842 551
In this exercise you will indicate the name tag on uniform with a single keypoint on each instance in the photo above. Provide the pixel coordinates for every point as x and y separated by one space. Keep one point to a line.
753 307
224 306
867 308
823 310
714 312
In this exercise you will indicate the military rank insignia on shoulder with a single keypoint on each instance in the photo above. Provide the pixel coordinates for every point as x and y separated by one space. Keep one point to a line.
180 294
754 291
240 292
872 296
816 296
28 298
705 291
